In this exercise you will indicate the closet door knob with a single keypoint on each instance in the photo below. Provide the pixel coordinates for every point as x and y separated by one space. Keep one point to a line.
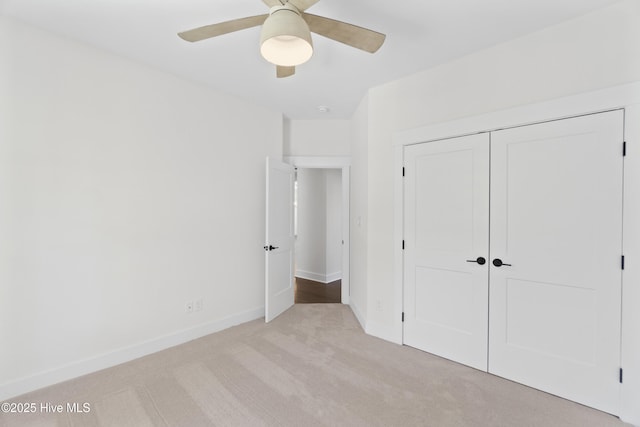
480 260
498 263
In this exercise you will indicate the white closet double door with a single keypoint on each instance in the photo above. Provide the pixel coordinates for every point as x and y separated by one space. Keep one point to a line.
513 254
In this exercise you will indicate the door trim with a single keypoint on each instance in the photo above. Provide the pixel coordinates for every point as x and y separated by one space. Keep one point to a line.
600 101
344 164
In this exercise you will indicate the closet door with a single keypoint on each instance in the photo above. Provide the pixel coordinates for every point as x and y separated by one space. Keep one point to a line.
556 225
446 232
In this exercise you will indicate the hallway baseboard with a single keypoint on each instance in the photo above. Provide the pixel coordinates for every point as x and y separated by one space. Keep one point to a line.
318 277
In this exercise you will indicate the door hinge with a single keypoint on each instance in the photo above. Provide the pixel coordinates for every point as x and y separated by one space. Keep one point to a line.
403 245
622 262
403 171
620 375
624 148
403 316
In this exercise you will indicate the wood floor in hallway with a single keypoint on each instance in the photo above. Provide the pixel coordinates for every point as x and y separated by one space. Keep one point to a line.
310 292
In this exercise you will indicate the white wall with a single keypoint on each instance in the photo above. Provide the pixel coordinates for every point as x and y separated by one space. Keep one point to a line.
116 184
308 138
312 225
318 242
598 50
594 51
333 179
359 205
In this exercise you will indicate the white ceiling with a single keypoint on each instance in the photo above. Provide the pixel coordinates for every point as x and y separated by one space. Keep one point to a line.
420 35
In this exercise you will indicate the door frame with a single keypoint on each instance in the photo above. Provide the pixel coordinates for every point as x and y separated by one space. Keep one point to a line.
344 164
625 97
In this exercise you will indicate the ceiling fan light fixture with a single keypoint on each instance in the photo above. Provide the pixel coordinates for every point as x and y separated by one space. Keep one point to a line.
285 39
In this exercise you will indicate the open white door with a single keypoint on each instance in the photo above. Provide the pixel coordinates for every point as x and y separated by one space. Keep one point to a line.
279 240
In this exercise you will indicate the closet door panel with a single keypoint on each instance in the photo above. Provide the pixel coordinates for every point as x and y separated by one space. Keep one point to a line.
446 224
556 218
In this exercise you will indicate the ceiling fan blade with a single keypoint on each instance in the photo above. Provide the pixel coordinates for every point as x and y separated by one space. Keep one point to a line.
349 34
282 71
303 5
214 30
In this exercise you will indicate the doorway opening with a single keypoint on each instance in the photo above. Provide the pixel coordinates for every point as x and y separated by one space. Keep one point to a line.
321 229
318 235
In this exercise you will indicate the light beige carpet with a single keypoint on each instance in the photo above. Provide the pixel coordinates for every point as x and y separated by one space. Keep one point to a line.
312 366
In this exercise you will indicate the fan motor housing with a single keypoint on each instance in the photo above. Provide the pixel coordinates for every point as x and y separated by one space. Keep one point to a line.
285 38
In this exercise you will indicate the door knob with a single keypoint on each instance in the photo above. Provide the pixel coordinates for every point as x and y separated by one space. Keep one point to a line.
498 263
270 248
480 260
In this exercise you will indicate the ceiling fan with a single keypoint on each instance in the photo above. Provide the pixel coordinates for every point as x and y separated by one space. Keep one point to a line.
285 39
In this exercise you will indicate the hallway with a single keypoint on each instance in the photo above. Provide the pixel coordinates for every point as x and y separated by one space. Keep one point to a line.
309 292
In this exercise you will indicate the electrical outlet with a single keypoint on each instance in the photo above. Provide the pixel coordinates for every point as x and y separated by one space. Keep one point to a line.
189 307
379 306
198 305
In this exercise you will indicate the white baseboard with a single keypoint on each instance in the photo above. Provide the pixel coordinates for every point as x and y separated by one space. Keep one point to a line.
318 277
122 355
332 277
383 331
361 318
